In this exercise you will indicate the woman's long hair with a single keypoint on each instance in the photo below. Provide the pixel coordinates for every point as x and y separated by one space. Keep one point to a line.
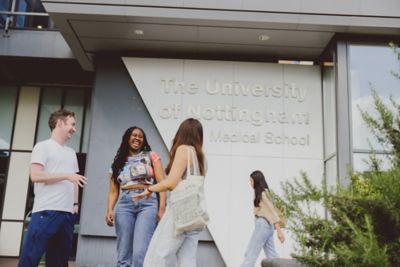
190 133
260 184
123 151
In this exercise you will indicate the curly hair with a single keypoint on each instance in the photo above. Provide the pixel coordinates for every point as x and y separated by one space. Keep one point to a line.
123 151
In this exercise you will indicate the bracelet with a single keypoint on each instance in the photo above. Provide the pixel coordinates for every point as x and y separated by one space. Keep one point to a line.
76 204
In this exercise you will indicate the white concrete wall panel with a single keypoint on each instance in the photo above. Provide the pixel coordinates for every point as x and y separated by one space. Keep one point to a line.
306 113
10 238
255 116
17 186
241 219
25 123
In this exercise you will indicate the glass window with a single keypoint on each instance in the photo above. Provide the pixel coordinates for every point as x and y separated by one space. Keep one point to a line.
5 5
31 6
37 22
50 102
88 116
370 66
74 101
329 103
331 172
361 161
4 159
8 98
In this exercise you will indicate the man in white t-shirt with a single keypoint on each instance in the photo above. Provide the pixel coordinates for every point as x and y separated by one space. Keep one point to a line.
54 168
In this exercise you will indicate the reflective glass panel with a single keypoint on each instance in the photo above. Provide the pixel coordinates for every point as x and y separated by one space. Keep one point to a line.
35 22
331 172
74 101
86 131
370 66
8 98
4 6
30 6
361 161
27 21
50 102
4 159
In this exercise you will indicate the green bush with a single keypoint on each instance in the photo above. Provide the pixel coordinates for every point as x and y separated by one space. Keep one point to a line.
362 226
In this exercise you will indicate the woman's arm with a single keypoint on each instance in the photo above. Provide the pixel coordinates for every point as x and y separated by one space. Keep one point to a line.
173 178
279 232
113 194
159 175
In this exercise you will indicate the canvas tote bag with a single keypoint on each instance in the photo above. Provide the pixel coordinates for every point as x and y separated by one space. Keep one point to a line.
187 199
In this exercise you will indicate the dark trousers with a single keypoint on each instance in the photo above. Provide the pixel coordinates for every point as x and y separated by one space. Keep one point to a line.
51 232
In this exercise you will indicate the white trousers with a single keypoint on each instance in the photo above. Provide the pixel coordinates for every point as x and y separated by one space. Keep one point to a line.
168 250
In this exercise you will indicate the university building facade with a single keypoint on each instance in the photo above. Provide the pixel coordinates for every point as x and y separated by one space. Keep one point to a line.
278 86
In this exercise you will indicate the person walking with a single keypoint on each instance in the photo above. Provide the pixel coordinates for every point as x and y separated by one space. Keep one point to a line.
167 249
53 171
266 221
135 167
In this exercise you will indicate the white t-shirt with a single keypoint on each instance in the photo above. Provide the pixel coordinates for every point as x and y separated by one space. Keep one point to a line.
56 159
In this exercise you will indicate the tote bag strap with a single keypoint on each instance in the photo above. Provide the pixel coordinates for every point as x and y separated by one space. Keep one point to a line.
191 151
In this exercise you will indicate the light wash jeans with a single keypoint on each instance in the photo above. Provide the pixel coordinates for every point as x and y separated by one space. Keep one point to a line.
135 222
168 250
262 237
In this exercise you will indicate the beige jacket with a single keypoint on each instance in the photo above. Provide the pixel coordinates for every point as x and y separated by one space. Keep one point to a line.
266 209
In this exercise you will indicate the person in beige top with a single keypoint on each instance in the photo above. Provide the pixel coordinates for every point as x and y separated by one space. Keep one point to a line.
266 221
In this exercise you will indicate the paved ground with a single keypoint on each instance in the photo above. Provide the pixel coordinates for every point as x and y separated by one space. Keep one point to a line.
12 262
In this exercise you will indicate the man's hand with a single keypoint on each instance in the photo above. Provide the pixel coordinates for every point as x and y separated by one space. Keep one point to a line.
78 179
75 210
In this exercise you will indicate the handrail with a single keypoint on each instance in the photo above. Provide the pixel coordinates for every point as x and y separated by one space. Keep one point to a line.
11 14
15 13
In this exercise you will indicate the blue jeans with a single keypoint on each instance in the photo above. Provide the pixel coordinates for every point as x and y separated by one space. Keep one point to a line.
51 232
168 250
262 238
135 222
